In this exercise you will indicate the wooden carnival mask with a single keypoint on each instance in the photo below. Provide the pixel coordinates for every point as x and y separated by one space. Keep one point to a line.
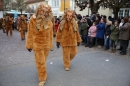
22 17
8 18
69 15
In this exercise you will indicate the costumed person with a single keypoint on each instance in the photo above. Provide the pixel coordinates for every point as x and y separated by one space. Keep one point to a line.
39 39
2 25
68 37
53 27
8 25
22 26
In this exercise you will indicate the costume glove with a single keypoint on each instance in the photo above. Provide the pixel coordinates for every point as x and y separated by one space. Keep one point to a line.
29 50
78 43
58 44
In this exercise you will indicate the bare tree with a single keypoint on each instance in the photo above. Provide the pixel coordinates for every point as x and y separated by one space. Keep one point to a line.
20 5
95 5
7 4
116 5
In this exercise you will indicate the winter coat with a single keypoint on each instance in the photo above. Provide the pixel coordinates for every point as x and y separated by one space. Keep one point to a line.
84 28
114 33
39 39
107 30
68 34
125 32
79 25
92 31
100 30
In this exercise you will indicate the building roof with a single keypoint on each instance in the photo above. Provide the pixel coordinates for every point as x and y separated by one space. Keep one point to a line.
33 1
1 6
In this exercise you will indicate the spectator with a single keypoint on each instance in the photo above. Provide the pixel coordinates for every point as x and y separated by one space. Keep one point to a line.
107 35
100 33
56 24
91 35
121 23
84 30
97 19
124 35
114 36
88 21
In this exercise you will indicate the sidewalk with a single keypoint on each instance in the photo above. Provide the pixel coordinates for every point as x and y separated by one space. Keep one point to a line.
87 69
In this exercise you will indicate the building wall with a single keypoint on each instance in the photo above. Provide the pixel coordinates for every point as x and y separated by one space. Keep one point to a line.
57 12
1 14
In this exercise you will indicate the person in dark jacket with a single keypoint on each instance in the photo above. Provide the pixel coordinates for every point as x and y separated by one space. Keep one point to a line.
107 35
100 33
84 30
97 19
114 36
89 22
124 36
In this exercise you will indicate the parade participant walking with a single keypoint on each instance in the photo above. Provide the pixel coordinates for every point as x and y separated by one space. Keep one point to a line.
2 24
68 37
8 25
22 26
39 39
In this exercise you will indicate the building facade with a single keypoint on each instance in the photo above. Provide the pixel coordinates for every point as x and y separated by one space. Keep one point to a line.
58 7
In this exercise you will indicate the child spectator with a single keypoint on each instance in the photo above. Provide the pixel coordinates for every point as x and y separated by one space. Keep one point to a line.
107 35
114 36
91 35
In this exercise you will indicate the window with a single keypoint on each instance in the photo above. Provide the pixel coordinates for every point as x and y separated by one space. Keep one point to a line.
126 13
55 3
120 13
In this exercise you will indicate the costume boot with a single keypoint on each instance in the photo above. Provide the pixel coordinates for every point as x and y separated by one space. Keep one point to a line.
41 83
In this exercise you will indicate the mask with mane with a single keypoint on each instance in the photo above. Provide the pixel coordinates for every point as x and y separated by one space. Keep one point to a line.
69 16
42 15
22 19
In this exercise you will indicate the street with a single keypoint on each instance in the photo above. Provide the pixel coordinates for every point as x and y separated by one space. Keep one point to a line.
90 67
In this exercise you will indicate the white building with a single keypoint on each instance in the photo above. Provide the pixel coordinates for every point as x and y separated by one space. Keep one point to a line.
57 5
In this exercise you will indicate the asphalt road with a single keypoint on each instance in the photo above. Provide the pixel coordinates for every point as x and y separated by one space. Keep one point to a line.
90 67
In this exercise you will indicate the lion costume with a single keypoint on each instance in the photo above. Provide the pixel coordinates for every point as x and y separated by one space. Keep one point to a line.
2 25
8 25
39 39
68 37
22 26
